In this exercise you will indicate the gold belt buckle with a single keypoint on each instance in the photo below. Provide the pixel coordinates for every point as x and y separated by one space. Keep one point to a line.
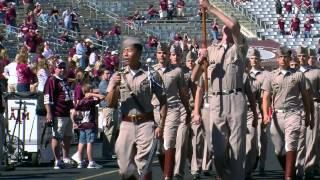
134 118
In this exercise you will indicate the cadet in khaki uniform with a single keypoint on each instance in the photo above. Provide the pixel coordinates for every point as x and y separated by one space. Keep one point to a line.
311 140
312 58
285 86
257 140
137 127
177 121
228 108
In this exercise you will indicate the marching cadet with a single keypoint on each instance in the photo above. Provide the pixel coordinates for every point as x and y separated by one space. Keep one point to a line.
228 108
294 64
285 86
312 58
257 140
311 139
178 116
137 127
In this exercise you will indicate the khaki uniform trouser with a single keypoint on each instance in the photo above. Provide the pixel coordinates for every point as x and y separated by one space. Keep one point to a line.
201 151
312 141
110 121
228 135
133 146
175 135
301 150
262 143
285 131
12 88
251 145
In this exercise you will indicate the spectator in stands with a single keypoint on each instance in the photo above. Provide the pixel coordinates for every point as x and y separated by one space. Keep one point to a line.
81 51
65 37
310 17
288 6
99 35
54 17
93 58
152 41
24 28
4 59
3 7
295 26
307 29
30 16
58 103
10 18
10 73
81 79
114 59
278 7
171 9
24 74
43 74
38 10
214 29
47 52
163 9
87 126
32 24
66 16
152 12
180 8
297 6
30 42
28 5
316 5
74 21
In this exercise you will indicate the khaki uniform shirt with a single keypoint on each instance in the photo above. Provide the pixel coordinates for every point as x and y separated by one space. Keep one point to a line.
229 65
257 77
285 89
190 85
140 85
313 75
173 79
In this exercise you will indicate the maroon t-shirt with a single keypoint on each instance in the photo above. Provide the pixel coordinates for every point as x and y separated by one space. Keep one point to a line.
164 5
307 3
24 73
281 23
78 94
288 5
58 94
87 107
295 25
298 2
307 26
31 41
180 4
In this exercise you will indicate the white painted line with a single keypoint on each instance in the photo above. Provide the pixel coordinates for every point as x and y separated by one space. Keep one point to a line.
97 175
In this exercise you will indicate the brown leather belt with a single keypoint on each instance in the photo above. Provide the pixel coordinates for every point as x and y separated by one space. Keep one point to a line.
139 118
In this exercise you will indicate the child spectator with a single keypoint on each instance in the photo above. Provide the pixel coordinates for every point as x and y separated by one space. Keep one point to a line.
87 126
152 12
288 6
307 29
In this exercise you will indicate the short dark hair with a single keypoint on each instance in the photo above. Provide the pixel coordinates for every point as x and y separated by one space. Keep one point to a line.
138 47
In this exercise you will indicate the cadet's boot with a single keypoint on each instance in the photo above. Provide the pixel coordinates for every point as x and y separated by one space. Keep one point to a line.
148 176
161 161
290 165
169 163
282 161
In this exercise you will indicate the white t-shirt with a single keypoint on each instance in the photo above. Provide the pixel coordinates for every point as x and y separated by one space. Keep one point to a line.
10 71
93 58
47 53
42 76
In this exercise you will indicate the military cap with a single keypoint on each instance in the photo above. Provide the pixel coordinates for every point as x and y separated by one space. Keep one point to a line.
191 55
162 47
254 52
130 41
312 52
283 51
302 50
176 49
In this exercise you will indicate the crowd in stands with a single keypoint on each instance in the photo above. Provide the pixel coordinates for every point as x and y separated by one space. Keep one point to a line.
296 7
